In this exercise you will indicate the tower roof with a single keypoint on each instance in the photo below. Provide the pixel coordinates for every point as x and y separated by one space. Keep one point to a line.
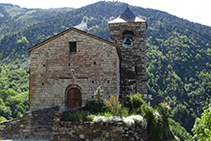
127 16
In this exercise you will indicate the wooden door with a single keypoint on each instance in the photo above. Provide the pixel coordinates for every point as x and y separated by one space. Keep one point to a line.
73 98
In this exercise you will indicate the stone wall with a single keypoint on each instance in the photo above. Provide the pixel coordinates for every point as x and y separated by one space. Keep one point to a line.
90 131
96 63
16 128
133 64
34 124
46 124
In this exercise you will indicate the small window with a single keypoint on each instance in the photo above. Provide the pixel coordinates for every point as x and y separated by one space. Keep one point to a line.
72 47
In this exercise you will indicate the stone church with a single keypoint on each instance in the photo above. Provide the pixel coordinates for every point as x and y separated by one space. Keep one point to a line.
66 69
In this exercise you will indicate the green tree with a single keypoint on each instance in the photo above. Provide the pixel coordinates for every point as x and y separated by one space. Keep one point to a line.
180 131
2 119
202 126
23 40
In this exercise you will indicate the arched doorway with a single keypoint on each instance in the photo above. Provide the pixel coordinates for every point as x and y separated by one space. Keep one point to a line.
73 98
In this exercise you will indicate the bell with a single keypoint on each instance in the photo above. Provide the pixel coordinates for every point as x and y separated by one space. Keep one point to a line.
128 42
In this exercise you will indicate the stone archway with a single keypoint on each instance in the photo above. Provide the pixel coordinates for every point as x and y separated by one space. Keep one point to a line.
73 98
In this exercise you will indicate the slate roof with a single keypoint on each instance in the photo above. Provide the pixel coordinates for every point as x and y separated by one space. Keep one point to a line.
127 16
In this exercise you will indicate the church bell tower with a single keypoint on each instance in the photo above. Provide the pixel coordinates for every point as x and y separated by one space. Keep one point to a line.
129 33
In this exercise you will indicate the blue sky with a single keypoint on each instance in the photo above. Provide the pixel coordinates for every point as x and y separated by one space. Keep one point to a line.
193 10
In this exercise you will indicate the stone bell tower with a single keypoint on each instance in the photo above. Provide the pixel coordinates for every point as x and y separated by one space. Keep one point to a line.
129 33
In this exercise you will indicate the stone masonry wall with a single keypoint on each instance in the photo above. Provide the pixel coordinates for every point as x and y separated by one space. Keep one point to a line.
90 131
96 63
16 128
133 66
34 124
46 124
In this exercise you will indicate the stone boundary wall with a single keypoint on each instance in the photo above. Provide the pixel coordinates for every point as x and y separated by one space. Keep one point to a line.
16 128
90 131
46 124
33 124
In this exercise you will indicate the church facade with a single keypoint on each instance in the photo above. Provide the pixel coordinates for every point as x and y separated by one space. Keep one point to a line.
66 69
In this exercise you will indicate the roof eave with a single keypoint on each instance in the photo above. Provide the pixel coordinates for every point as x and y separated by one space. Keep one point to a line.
68 30
77 30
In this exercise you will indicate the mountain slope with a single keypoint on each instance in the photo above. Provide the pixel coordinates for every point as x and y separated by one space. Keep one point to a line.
15 18
178 51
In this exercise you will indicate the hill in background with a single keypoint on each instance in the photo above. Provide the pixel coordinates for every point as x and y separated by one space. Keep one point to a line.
178 53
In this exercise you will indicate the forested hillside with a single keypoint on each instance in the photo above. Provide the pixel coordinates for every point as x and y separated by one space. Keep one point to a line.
13 52
178 52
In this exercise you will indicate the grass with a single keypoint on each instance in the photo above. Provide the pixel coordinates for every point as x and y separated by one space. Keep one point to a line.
79 115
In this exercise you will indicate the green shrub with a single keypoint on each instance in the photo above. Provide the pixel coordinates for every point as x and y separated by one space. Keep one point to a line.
163 108
133 102
96 105
90 117
158 127
113 105
106 114
78 116
2 119
99 95
154 122
125 112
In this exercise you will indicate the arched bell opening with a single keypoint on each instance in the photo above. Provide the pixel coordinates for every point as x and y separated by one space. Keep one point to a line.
127 39
128 33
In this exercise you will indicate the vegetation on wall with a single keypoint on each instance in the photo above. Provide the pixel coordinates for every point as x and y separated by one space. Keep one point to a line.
153 119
